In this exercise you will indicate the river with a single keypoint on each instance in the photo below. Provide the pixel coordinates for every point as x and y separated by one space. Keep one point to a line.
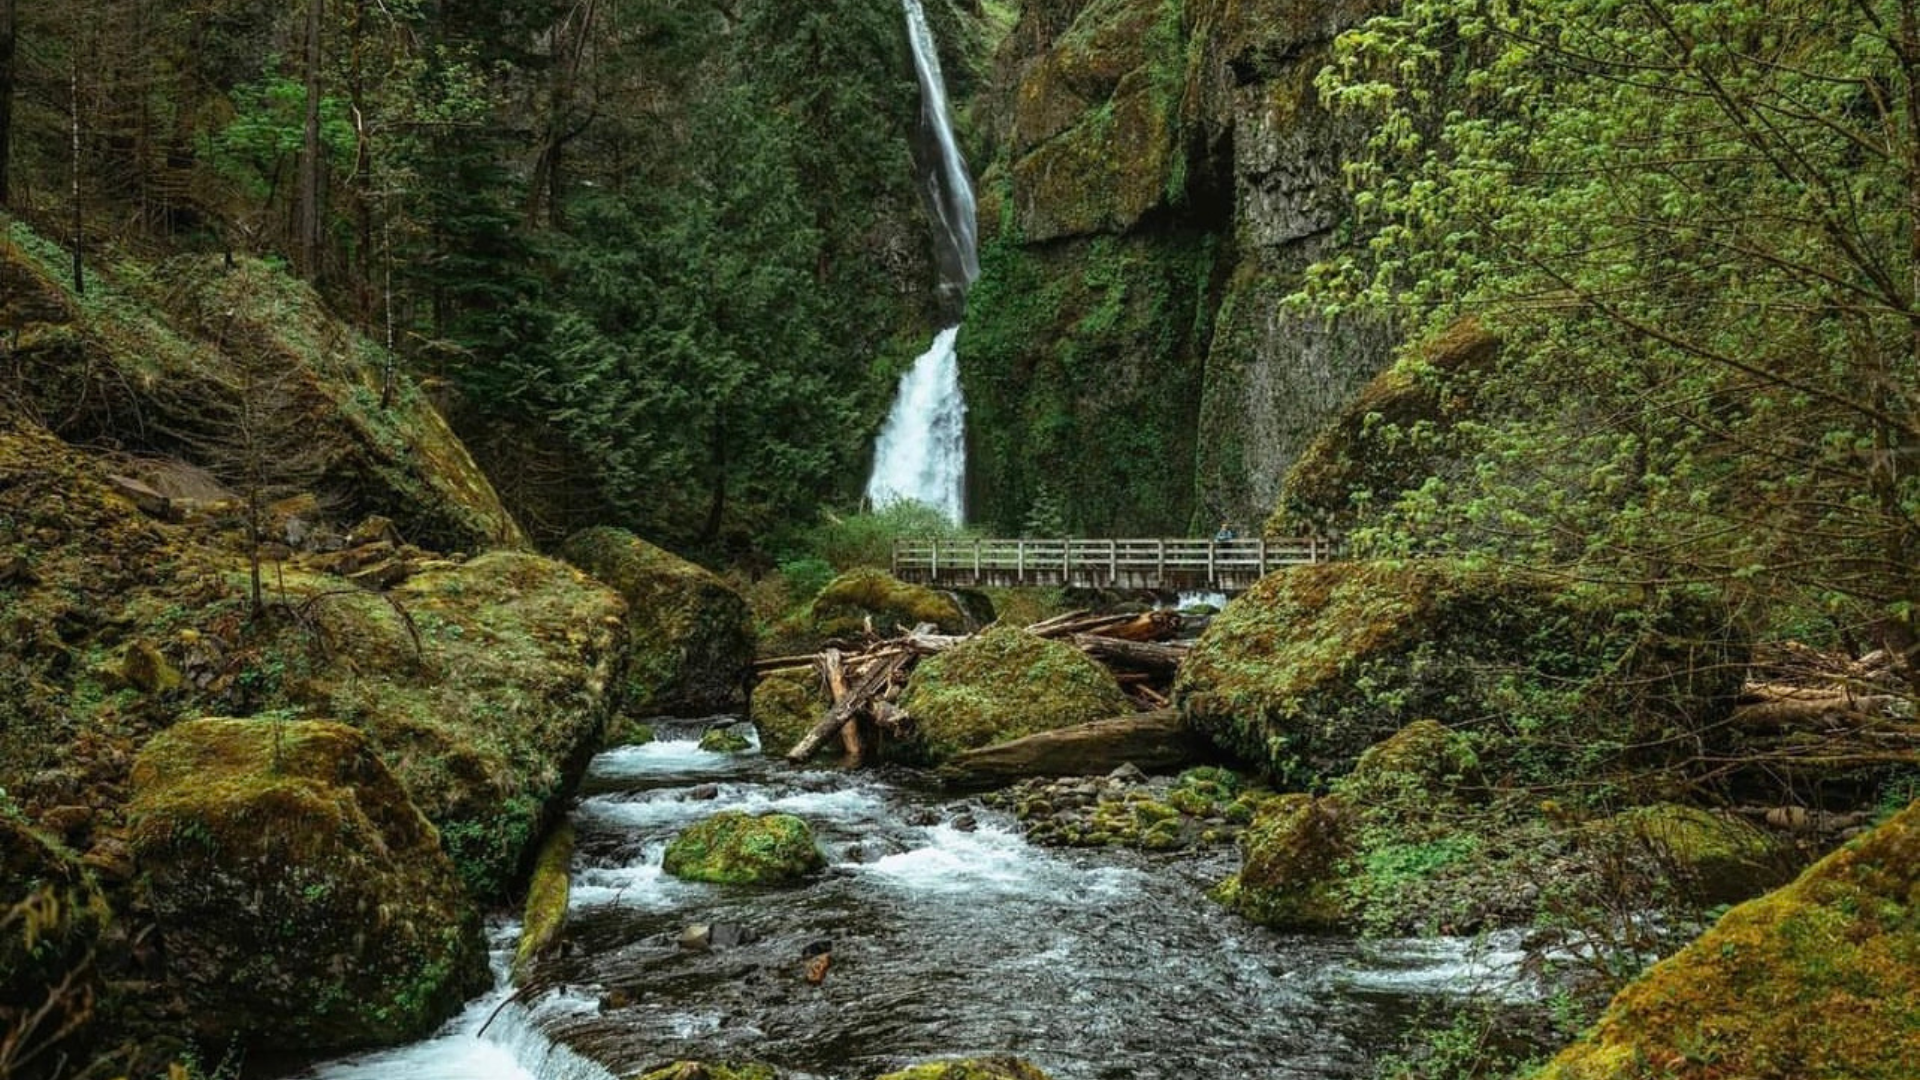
948 935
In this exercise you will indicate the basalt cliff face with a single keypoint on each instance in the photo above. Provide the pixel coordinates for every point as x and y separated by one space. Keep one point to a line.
1161 174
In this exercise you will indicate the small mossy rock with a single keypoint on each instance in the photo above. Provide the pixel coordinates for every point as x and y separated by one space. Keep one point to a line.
1712 858
735 848
999 1067
725 741
1005 683
1819 980
690 635
787 703
1290 859
547 894
700 1070
855 597
1410 772
303 902
47 885
145 669
1314 664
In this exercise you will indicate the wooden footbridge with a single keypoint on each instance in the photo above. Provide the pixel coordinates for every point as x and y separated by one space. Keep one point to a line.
1158 565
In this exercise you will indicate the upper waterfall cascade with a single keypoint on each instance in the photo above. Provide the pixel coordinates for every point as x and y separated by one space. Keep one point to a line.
921 452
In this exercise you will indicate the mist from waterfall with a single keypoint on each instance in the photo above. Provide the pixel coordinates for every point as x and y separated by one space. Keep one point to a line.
921 452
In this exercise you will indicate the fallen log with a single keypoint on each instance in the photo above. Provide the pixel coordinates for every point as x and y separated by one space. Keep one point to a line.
1155 741
1774 707
1141 655
872 681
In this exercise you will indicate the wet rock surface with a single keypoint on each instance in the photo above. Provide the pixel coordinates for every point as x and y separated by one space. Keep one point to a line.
1200 807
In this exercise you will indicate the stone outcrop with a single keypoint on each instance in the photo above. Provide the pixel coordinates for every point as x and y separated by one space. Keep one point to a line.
1001 684
999 1067
690 639
1164 174
302 901
1819 980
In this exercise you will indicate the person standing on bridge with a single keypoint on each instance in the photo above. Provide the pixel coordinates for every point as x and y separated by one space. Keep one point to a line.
1225 534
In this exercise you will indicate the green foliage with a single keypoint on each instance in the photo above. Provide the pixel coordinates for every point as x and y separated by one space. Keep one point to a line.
256 148
865 540
1688 221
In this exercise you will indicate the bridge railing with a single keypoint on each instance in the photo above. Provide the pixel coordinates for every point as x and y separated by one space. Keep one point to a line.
1225 565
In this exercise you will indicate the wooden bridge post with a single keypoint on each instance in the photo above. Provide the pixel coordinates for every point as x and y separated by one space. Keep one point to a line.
976 561
1020 561
1066 562
1113 564
1213 572
1263 556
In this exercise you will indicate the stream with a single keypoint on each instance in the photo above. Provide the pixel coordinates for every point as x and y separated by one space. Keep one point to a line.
949 935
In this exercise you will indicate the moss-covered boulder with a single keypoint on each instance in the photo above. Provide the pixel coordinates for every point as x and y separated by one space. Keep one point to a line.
1819 980
999 1067
1316 663
735 848
1292 858
1001 684
303 902
725 740
787 703
485 685
690 637
1706 857
856 597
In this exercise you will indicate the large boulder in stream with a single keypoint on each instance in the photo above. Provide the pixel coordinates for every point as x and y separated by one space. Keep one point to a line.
303 902
1316 663
1819 980
860 597
787 704
1001 684
691 634
736 848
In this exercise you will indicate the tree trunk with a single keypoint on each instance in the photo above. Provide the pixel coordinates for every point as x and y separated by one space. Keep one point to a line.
6 97
79 217
308 224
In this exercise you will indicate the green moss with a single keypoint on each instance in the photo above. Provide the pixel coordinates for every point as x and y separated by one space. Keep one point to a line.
1316 663
270 850
725 741
1087 342
51 914
1002 684
1710 858
1817 981
1290 860
858 595
546 908
690 634
734 848
787 703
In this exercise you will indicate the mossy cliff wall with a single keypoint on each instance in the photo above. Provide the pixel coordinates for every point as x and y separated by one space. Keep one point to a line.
1161 175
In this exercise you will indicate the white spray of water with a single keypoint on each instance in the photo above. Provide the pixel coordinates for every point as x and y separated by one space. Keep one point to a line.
921 453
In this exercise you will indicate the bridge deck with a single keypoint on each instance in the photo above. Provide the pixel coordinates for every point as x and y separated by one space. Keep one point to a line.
1160 565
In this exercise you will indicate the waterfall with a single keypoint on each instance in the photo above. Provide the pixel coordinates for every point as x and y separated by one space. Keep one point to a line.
921 452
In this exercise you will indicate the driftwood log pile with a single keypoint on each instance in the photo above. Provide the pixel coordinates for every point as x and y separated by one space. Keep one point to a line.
865 680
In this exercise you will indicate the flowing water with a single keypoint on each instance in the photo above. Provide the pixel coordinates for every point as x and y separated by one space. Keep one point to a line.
948 935
921 452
